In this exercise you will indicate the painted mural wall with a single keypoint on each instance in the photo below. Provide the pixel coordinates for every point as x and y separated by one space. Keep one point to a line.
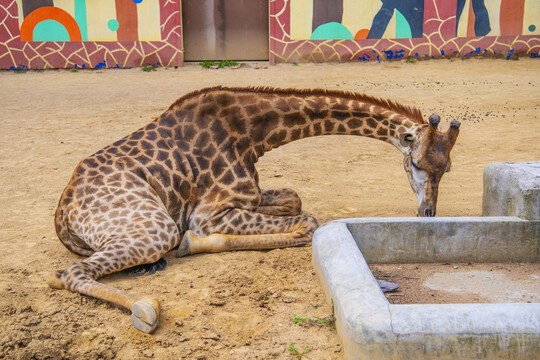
351 30
89 33
126 33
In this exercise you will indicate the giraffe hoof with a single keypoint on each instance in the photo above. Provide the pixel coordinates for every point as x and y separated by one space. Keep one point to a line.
144 317
183 248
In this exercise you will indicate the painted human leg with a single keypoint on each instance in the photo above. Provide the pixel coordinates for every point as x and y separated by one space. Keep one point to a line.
253 231
280 202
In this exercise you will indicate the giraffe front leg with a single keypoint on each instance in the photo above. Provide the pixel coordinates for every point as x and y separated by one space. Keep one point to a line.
245 230
280 202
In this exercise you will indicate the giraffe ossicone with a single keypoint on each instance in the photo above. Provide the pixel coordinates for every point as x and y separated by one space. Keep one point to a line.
188 179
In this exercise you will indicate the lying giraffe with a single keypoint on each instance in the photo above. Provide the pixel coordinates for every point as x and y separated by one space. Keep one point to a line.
188 179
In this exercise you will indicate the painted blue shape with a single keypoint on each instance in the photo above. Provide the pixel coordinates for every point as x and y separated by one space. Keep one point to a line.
532 28
137 1
84 66
510 53
399 54
389 54
535 55
101 65
477 50
50 30
442 52
365 57
331 31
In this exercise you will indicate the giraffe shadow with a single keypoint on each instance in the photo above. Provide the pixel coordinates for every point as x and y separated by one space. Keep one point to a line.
147 269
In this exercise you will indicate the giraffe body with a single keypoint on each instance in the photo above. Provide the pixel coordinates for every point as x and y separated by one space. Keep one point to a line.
188 179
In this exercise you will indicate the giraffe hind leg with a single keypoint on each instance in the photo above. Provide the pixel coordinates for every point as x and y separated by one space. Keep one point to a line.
81 277
120 252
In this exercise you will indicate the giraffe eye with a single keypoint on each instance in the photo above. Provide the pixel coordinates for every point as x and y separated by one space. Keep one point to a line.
414 165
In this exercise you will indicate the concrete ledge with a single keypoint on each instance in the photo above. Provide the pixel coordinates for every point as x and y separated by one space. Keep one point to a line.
424 240
512 189
372 328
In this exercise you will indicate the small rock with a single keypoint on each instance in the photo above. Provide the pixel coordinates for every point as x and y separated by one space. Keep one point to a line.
456 267
148 353
211 336
387 286
179 322
217 302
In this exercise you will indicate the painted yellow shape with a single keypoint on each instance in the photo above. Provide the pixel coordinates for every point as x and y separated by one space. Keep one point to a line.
531 17
20 9
301 19
464 20
98 14
66 5
358 15
390 32
494 11
148 18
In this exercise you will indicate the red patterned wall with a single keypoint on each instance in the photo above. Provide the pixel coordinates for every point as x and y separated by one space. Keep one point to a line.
439 39
15 53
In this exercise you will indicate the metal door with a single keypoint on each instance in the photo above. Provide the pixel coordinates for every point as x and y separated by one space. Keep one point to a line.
225 29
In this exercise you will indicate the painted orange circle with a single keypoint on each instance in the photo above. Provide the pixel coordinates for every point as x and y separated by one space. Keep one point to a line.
49 13
361 34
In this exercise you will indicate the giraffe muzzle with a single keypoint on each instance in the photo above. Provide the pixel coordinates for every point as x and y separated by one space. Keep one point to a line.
426 211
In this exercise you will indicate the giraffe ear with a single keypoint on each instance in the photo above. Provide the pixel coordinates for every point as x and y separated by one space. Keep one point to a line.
406 139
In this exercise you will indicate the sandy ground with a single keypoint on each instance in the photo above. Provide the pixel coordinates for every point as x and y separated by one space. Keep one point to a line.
231 305
461 283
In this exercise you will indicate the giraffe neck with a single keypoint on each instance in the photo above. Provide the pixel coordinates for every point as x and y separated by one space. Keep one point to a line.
293 116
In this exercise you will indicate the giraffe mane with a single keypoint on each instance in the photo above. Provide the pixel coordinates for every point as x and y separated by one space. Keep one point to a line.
414 114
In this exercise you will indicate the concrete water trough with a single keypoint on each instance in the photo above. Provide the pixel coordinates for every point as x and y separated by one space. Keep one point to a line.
372 328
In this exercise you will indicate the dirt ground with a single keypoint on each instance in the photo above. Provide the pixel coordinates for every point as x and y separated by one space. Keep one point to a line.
240 304
461 283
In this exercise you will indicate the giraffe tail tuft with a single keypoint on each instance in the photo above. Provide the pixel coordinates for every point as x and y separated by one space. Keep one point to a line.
54 279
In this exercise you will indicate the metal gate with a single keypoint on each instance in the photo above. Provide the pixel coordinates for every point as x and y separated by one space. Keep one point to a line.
225 29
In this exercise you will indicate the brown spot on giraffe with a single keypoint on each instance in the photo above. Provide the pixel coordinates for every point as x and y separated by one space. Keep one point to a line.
188 179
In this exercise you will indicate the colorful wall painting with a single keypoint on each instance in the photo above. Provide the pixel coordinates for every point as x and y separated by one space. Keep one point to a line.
352 30
126 33
93 33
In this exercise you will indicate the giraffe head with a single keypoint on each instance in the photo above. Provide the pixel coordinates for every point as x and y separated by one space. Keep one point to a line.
427 158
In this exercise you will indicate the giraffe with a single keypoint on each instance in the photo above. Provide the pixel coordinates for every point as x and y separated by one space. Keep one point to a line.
188 180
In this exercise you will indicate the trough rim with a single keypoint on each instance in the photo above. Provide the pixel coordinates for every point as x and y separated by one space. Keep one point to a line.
371 327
